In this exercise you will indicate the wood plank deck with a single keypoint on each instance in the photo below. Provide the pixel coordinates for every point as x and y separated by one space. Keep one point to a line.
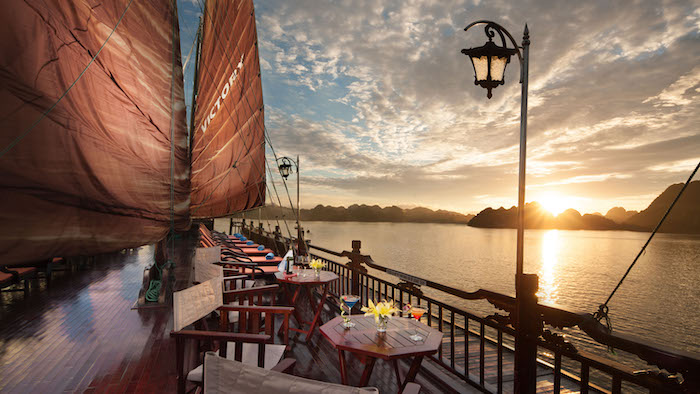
81 335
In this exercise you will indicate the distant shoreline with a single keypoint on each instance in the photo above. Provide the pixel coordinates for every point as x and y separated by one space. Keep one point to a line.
505 228
377 221
361 213
685 218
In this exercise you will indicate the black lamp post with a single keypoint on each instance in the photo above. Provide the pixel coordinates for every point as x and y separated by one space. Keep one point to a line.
285 167
489 62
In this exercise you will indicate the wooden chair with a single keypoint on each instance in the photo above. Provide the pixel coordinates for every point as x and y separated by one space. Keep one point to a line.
235 251
237 256
226 252
239 327
207 265
223 375
15 276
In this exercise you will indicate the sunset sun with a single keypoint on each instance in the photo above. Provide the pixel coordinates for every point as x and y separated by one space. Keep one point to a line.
555 203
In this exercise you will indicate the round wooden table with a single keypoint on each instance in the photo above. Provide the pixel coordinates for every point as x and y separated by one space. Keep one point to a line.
306 279
364 340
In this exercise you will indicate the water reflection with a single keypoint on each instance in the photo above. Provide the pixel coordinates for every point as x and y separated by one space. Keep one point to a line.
551 244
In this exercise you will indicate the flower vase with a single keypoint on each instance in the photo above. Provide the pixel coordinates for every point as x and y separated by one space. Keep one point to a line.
381 323
317 272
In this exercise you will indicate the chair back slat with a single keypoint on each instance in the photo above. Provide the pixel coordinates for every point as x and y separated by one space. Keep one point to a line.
203 267
261 355
242 322
285 326
254 322
238 352
269 324
196 302
223 349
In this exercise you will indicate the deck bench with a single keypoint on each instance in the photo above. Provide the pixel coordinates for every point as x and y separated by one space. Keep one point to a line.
44 267
14 276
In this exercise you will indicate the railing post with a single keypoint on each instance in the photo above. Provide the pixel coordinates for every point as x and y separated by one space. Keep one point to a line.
230 226
356 265
528 329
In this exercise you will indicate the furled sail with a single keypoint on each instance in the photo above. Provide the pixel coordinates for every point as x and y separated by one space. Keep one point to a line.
92 162
228 144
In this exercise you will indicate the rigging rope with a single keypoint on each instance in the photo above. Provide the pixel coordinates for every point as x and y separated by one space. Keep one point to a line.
187 60
602 312
154 286
284 181
272 179
23 134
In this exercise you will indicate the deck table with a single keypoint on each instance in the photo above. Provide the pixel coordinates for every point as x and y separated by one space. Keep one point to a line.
306 279
366 342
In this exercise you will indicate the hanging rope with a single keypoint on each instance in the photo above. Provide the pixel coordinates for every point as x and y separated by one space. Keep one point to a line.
154 286
602 313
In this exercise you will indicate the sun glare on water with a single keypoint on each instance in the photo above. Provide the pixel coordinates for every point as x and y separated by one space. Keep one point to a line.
555 203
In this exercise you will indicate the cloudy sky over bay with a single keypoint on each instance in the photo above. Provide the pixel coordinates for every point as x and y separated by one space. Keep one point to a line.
380 104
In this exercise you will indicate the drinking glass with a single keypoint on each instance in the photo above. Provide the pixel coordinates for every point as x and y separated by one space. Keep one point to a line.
417 314
349 301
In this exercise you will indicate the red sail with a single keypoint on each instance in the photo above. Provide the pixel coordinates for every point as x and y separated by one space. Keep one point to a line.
106 168
228 148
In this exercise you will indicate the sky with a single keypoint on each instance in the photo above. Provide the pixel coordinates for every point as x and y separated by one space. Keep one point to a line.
380 105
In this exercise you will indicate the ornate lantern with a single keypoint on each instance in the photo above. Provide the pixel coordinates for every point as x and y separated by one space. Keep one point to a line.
285 167
490 60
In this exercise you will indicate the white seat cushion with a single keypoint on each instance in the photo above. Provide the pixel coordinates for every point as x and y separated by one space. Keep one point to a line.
273 355
233 315
240 284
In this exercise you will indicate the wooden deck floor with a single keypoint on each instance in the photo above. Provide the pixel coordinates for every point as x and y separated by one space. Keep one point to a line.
81 335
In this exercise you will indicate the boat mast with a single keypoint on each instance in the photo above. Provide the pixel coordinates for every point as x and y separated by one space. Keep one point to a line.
195 86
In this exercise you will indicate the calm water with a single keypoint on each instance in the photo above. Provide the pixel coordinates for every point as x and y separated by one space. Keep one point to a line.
577 269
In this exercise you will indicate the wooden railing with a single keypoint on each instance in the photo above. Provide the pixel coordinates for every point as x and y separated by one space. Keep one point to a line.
494 335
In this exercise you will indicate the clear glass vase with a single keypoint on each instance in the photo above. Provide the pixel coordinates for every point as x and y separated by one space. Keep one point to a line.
317 272
381 323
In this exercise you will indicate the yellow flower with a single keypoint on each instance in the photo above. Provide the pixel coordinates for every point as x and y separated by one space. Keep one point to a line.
382 309
317 264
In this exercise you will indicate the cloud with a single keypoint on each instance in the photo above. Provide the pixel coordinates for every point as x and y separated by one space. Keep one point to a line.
685 166
378 101
680 93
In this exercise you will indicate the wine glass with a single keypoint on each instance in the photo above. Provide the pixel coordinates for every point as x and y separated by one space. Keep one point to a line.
349 301
417 314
